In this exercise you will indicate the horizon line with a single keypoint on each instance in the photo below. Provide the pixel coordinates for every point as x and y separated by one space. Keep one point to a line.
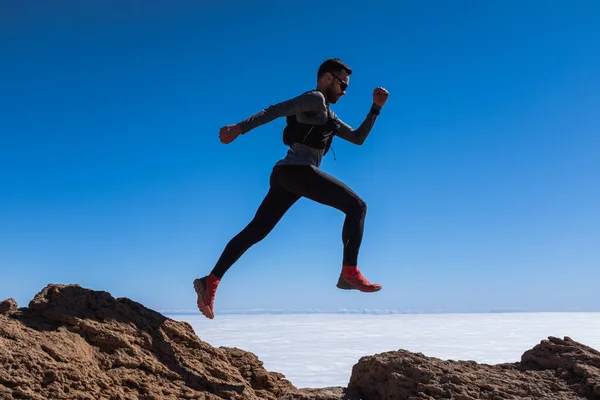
260 311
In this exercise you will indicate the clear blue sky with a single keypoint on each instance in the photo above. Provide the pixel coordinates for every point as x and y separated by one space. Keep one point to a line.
481 175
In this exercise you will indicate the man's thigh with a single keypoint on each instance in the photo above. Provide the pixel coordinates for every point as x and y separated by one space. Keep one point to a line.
319 186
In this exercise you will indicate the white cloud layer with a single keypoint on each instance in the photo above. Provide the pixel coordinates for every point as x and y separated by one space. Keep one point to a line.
318 350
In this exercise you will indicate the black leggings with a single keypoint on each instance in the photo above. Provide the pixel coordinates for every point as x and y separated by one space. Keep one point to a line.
288 183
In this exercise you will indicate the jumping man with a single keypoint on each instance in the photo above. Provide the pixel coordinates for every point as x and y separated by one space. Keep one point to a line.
311 126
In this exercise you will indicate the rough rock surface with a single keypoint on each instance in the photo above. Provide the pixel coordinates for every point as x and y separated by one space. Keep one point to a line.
329 393
8 306
76 343
555 369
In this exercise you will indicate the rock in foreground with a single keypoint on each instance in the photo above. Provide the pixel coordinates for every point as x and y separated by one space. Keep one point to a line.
554 370
76 343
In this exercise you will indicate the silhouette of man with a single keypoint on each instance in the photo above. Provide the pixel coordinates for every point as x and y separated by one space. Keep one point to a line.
311 126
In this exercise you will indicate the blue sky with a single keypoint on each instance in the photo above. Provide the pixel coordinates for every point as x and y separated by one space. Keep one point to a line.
481 174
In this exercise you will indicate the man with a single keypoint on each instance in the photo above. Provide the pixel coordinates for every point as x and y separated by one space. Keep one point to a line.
311 126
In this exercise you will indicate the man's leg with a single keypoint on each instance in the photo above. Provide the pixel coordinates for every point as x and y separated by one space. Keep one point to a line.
273 207
323 188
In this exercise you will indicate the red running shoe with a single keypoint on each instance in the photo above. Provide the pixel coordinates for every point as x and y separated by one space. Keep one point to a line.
351 278
206 289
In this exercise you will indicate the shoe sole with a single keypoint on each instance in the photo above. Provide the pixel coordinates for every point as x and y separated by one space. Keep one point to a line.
204 308
344 285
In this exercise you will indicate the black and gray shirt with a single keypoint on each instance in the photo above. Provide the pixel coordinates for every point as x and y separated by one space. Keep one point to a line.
310 108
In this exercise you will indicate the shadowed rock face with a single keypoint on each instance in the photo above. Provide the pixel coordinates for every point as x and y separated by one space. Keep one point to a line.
555 369
76 343
81 344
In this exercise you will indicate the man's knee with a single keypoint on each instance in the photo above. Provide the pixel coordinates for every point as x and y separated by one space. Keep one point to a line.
363 207
357 208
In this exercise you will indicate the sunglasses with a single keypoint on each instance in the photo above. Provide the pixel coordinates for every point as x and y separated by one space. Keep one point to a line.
343 85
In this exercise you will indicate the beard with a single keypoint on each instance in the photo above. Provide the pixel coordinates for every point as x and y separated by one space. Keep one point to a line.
332 95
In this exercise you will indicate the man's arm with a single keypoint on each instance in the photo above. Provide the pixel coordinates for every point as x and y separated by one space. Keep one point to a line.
358 136
309 101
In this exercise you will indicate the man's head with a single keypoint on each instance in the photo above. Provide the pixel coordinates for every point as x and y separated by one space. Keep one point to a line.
333 78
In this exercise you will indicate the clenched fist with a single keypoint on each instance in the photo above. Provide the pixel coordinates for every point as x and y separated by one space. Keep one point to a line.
380 96
228 133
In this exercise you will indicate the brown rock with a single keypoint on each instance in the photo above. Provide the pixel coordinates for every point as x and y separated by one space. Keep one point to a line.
75 343
576 363
265 384
7 306
555 369
328 393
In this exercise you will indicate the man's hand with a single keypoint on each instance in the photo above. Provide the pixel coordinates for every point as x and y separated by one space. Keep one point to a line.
380 96
228 133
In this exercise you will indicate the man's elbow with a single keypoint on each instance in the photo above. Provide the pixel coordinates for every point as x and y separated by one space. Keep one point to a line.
360 140
355 138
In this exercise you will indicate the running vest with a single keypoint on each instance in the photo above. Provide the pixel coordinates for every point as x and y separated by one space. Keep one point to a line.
312 135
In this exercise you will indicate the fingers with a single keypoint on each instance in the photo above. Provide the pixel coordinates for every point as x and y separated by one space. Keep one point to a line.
228 133
226 138
235 129
223 133
225 129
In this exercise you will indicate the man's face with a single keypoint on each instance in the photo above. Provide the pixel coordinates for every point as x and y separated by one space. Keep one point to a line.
337 86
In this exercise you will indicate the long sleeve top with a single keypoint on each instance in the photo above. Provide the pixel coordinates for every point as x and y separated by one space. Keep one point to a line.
311 108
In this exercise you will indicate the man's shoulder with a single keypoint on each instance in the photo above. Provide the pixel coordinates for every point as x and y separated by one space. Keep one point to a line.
310 102
313 95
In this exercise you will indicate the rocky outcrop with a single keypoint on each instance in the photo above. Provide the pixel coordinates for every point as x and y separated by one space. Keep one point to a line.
328 393
555 369
76 343
7 306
